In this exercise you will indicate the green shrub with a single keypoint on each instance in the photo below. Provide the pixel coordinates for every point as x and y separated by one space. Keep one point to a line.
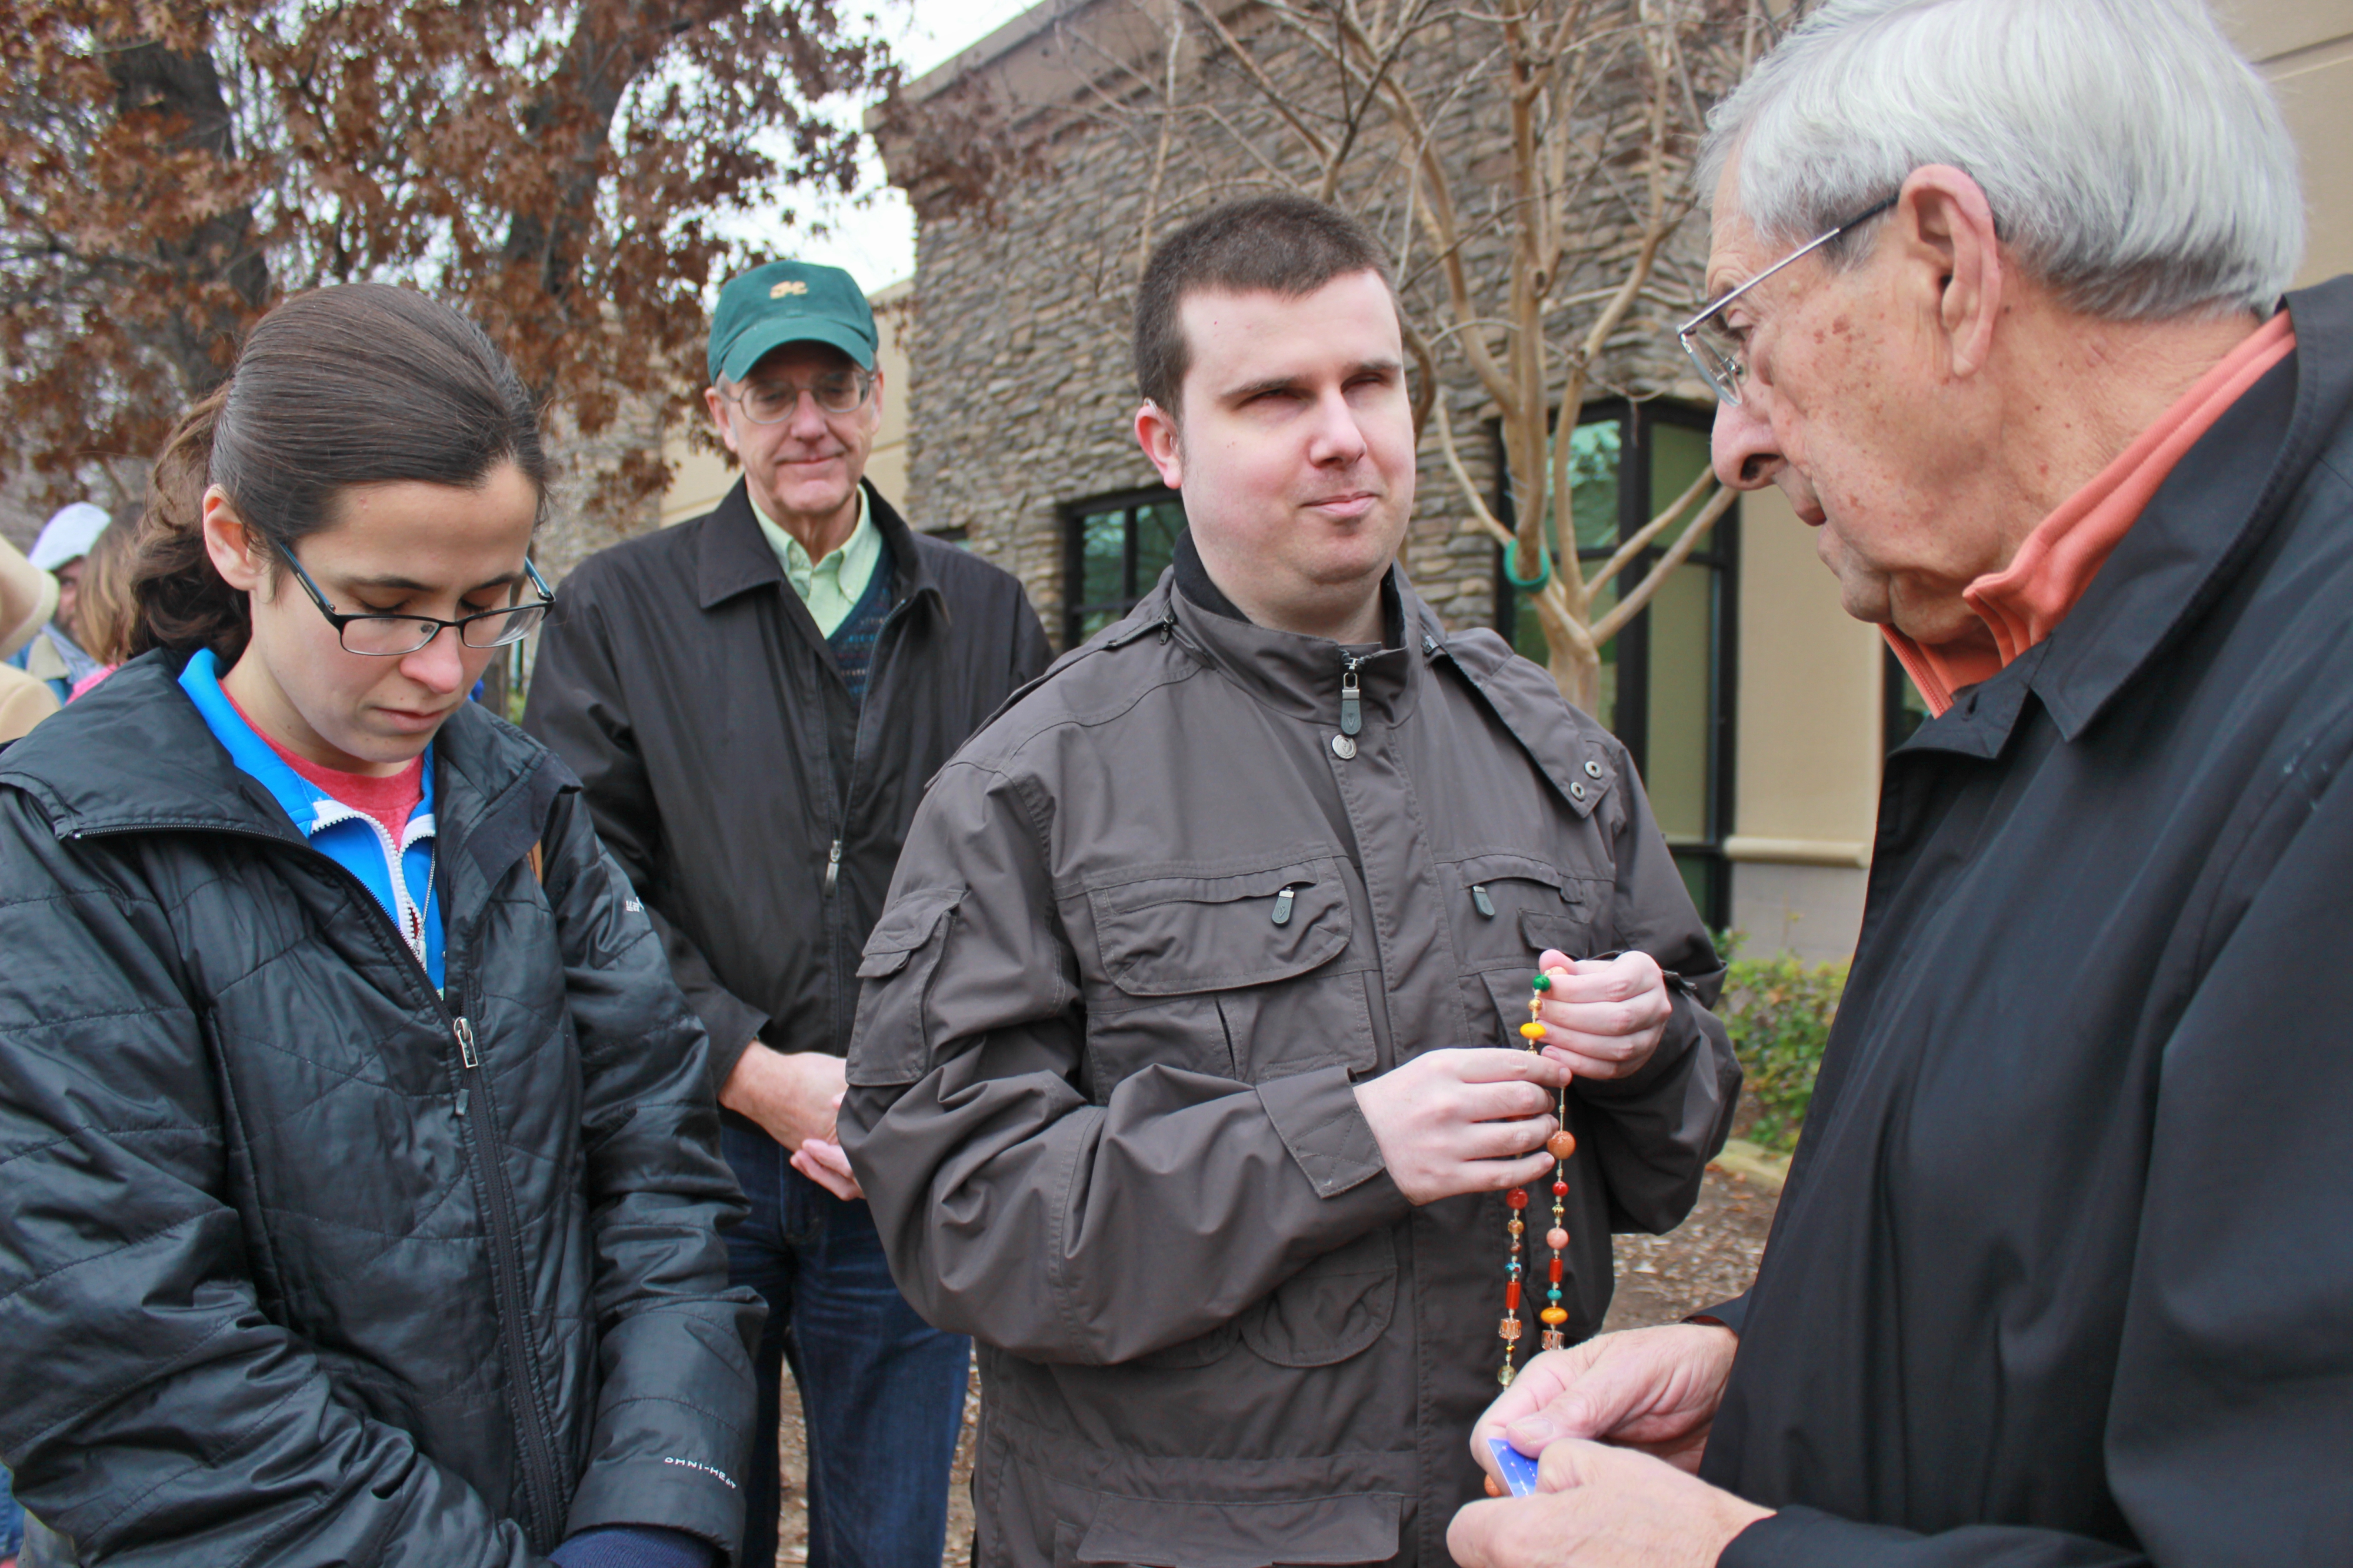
1779 1013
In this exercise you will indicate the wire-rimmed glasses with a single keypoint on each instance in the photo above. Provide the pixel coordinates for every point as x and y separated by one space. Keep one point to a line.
1719 352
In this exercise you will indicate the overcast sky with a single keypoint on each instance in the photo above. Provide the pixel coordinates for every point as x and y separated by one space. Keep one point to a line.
872 236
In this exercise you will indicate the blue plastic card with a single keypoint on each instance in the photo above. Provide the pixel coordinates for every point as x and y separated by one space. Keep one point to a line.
1519 1471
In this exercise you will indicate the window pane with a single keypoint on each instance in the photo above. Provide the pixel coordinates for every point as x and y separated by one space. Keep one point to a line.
1104 534
1701 874
1678 456
1682 668
1157 524
1593 484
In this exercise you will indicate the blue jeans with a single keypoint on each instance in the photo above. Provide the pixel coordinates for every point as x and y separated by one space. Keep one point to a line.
881 1391
12 1520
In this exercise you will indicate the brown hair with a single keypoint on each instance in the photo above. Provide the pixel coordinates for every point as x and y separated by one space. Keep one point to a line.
1281 244
103 611
357 384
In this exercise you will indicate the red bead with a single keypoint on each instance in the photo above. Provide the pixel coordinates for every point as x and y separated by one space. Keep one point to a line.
1560 1189
1512 1297
1555 1270
1517 1197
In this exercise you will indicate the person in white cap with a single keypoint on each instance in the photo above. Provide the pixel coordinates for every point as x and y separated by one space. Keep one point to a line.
53 654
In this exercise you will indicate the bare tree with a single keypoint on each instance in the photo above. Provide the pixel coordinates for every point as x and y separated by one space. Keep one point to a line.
1529 163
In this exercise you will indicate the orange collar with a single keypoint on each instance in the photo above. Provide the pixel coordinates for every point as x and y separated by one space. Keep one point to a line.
2024 602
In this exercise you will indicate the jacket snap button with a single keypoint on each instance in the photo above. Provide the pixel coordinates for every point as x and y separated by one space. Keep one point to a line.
1343 747
1577 791
1592 770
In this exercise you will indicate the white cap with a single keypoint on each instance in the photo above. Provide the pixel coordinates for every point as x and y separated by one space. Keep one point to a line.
69 535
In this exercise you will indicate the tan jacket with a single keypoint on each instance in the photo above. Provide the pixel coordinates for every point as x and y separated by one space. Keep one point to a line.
1147 931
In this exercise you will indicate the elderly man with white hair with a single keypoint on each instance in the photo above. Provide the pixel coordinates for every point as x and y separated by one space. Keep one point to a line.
2064 1273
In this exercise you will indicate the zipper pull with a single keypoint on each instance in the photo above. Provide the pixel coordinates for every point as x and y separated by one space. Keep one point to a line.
832 866
465 1033
1479 897
1352 692
461 1102
1282 906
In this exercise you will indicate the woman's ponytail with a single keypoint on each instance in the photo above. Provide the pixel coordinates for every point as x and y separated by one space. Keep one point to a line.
179 600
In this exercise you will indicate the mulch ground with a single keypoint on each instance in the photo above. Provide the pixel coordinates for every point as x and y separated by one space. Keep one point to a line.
1660 1278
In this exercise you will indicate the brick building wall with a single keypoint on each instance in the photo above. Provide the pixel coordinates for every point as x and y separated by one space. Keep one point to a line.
1022 392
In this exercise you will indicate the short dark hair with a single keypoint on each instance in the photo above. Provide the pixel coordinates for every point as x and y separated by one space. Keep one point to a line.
360 383
1282 245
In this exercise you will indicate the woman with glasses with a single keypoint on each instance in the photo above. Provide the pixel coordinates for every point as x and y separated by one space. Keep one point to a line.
361 1189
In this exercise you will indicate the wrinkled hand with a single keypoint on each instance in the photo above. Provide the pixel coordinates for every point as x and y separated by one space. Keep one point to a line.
1652 1389
792 1095
822 1161
1464 1121
1604 1016
1600 1507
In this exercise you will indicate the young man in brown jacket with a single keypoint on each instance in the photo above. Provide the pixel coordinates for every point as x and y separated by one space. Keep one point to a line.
1185 1077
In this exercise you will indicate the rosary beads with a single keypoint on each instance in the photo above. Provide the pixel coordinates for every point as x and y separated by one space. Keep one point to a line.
1560 1146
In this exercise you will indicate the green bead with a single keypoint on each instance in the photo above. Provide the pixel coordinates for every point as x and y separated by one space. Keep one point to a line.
1543 982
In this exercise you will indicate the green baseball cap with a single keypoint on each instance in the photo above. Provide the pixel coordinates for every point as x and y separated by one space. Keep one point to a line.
788 302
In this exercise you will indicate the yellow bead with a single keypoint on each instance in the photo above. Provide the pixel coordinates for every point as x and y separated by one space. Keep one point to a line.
1531 1031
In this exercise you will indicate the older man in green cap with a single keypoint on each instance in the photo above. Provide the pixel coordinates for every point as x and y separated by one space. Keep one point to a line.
753 700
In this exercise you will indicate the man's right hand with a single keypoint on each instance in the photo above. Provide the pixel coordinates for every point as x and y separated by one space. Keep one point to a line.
791 1095
1655 1390
1470 1119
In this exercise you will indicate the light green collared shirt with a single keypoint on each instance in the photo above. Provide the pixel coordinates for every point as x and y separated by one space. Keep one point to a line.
831 587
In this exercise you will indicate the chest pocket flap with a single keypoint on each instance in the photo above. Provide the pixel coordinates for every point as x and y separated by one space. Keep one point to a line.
1171 936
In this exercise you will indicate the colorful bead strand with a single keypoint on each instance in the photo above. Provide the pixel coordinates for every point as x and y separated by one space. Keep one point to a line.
1509 1330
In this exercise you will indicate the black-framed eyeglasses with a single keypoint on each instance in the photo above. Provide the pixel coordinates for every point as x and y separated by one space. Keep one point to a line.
1721 355
393 637
773 402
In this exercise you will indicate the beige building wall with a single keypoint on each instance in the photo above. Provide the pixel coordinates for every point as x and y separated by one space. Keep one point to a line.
1811 697
702 476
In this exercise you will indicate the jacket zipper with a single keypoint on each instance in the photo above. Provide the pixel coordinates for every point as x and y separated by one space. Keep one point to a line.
541 1483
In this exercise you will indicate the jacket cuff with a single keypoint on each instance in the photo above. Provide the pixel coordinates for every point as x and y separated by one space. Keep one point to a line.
682 1494
1318 1119
1732 1314
1802 1538
732 1025
1676 1043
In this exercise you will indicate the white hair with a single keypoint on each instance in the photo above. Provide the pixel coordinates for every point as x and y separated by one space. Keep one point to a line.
2135 164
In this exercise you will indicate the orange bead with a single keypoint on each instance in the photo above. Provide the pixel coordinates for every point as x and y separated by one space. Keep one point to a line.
1494 1487
1555 1314
1531 1031
1512 1297
1561 1145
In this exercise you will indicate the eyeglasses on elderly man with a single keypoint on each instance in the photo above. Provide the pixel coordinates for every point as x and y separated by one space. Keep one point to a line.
1719 351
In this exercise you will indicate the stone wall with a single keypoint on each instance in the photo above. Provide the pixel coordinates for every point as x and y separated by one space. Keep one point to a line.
1022 394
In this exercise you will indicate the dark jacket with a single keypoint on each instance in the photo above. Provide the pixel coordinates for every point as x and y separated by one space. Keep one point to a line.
2065 1270
1148 931
688 685
299 1263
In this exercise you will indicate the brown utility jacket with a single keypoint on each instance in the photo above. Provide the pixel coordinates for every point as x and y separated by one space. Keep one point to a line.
1148 929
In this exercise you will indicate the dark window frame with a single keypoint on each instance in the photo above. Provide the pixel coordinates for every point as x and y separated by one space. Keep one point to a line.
1636 506
1071 520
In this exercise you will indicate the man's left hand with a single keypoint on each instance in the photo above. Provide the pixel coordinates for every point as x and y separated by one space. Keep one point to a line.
1604 1016
822 1161
1600 1507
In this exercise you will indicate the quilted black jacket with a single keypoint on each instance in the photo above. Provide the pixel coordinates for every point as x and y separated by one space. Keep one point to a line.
301 1263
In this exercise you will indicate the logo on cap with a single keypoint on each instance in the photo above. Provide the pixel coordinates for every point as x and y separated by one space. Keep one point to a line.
789 286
